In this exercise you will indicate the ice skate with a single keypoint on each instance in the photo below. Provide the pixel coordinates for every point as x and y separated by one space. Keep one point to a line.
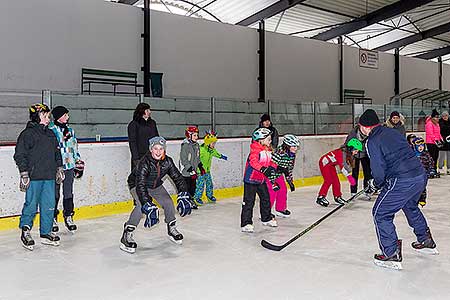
193 204
174 235
127 242
321 200
248 228
198 201
271 223
283 214
212 199
426 247
392 262
50 239
340 200
70 225
55 227
26 238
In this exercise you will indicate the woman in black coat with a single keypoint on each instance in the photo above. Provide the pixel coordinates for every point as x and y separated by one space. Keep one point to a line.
444 152
140 130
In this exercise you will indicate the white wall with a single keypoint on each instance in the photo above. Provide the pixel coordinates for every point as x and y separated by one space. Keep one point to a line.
301 70
44 44
107 168
378 83
418 73
446 77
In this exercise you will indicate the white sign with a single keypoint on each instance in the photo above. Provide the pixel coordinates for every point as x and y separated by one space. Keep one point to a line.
368 59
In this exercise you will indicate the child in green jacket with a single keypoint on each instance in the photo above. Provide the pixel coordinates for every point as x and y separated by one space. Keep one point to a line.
207 152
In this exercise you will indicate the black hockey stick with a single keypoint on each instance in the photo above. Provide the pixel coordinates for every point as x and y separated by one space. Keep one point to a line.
273 247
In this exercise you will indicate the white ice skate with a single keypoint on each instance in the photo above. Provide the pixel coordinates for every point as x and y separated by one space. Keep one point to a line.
174 235
127 242
271 223
248 228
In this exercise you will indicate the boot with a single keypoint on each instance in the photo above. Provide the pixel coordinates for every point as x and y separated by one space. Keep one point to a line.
174 235
428 246
127 242
392 262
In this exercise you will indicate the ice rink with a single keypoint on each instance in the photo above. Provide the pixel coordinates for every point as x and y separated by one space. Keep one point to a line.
217 261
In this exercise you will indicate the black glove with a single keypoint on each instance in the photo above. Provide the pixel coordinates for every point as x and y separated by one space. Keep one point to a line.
269 171
282 170
291 185
439 143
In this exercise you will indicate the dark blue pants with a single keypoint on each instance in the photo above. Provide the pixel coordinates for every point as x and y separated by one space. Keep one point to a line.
399 194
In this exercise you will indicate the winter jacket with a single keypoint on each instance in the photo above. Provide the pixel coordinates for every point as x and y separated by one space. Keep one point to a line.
391 156
259 156
400 126
206 155
274 134
445 132
69 147
356 133
285 164
335 158
189 157
37 152
432 132
148 174
427 162
139 132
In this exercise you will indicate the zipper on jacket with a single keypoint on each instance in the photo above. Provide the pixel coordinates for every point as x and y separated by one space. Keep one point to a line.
158 173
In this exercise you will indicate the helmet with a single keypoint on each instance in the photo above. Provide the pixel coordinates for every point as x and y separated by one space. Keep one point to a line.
210 137
291 140
355 144
79 169
419 145
410 137
35 109
190 130
261 133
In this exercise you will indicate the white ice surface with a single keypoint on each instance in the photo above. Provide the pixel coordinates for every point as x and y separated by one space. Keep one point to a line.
217 261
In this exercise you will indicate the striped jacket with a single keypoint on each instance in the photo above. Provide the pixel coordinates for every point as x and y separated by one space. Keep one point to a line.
69 148
285 163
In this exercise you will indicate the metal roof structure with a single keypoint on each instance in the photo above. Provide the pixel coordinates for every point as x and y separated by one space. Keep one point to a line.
419 28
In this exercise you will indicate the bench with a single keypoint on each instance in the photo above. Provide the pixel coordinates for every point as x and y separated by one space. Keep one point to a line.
356 97
108 77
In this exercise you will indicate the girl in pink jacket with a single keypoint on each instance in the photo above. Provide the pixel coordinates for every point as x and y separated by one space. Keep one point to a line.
433 136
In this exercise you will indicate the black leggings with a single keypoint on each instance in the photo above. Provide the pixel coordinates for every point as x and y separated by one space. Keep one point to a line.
434 152
365 162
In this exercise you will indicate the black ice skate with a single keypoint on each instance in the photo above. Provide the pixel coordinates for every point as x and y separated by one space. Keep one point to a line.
340 200
55 227
127 242
283 214
193 204
50 239
427 247
392 262
70 225
321 200
27 240
174 235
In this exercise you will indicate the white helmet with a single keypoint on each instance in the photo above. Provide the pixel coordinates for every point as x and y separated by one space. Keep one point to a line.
291 140
261 133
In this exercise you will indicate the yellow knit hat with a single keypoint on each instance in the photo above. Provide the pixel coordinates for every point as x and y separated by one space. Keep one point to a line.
210 137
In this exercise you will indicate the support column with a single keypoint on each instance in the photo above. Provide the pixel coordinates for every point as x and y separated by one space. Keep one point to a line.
341 70
146 36
397 72
440 72
262 62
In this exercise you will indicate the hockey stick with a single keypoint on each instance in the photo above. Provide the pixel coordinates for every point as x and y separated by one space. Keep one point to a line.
273 247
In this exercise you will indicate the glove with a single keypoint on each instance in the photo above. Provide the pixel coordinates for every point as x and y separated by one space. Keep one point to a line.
371 186
223 157
291 185
268 171
351 180
439 143
184 205
202 170
447 139
282 170
24 183
59 175
194 176
275 187
151 213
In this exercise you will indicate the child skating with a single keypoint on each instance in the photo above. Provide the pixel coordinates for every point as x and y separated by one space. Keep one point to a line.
190 160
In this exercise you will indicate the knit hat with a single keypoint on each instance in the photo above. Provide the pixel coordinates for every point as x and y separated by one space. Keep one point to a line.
210 137
434 113
369 118
58 112
265 117
394 114
157 140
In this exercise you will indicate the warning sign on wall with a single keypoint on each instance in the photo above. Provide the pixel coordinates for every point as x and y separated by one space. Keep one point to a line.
368 59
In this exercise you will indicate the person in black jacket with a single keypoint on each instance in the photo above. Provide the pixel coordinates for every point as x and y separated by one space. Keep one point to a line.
38 159
444 151
267 123
146 181
140 130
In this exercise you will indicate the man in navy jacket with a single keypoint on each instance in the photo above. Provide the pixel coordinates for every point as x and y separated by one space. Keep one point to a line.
402 179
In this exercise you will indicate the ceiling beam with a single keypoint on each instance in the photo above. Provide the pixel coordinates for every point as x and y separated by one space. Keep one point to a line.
384 13
269 11
434 53
130 2
415 37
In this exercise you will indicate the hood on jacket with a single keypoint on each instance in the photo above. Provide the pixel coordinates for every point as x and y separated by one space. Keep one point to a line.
400 123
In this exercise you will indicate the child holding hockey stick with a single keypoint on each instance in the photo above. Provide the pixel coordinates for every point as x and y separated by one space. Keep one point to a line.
343 159
284 158
207 152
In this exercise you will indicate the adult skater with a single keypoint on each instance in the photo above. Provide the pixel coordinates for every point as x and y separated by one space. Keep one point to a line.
444 152
396 121
433 136
146 181
265 122
402 180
